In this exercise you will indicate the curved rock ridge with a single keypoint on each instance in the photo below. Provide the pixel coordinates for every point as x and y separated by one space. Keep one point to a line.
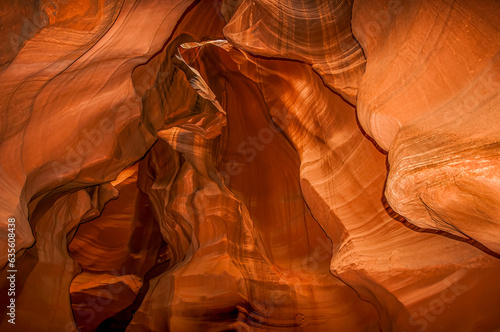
443 149
315 32
114 251
222 244
236 165
66 143
348 204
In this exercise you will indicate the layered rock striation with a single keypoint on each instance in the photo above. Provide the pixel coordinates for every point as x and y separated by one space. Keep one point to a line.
258 165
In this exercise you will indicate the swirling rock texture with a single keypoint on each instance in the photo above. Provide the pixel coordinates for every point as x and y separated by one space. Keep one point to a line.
265 165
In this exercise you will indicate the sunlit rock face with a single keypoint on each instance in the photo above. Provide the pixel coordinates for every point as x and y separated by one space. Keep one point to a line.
234 165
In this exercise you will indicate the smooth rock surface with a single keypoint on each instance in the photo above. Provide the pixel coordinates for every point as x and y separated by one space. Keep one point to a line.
238 165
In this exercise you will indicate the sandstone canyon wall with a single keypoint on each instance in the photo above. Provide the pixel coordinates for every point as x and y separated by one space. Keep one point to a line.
250 165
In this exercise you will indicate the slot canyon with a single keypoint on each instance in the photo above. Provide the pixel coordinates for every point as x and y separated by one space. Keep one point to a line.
250 165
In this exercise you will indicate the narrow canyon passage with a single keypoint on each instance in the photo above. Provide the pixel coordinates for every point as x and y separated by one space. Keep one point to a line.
249 165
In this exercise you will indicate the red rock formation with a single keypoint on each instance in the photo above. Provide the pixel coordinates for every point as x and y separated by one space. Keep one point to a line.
443 150
114 251
250 165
